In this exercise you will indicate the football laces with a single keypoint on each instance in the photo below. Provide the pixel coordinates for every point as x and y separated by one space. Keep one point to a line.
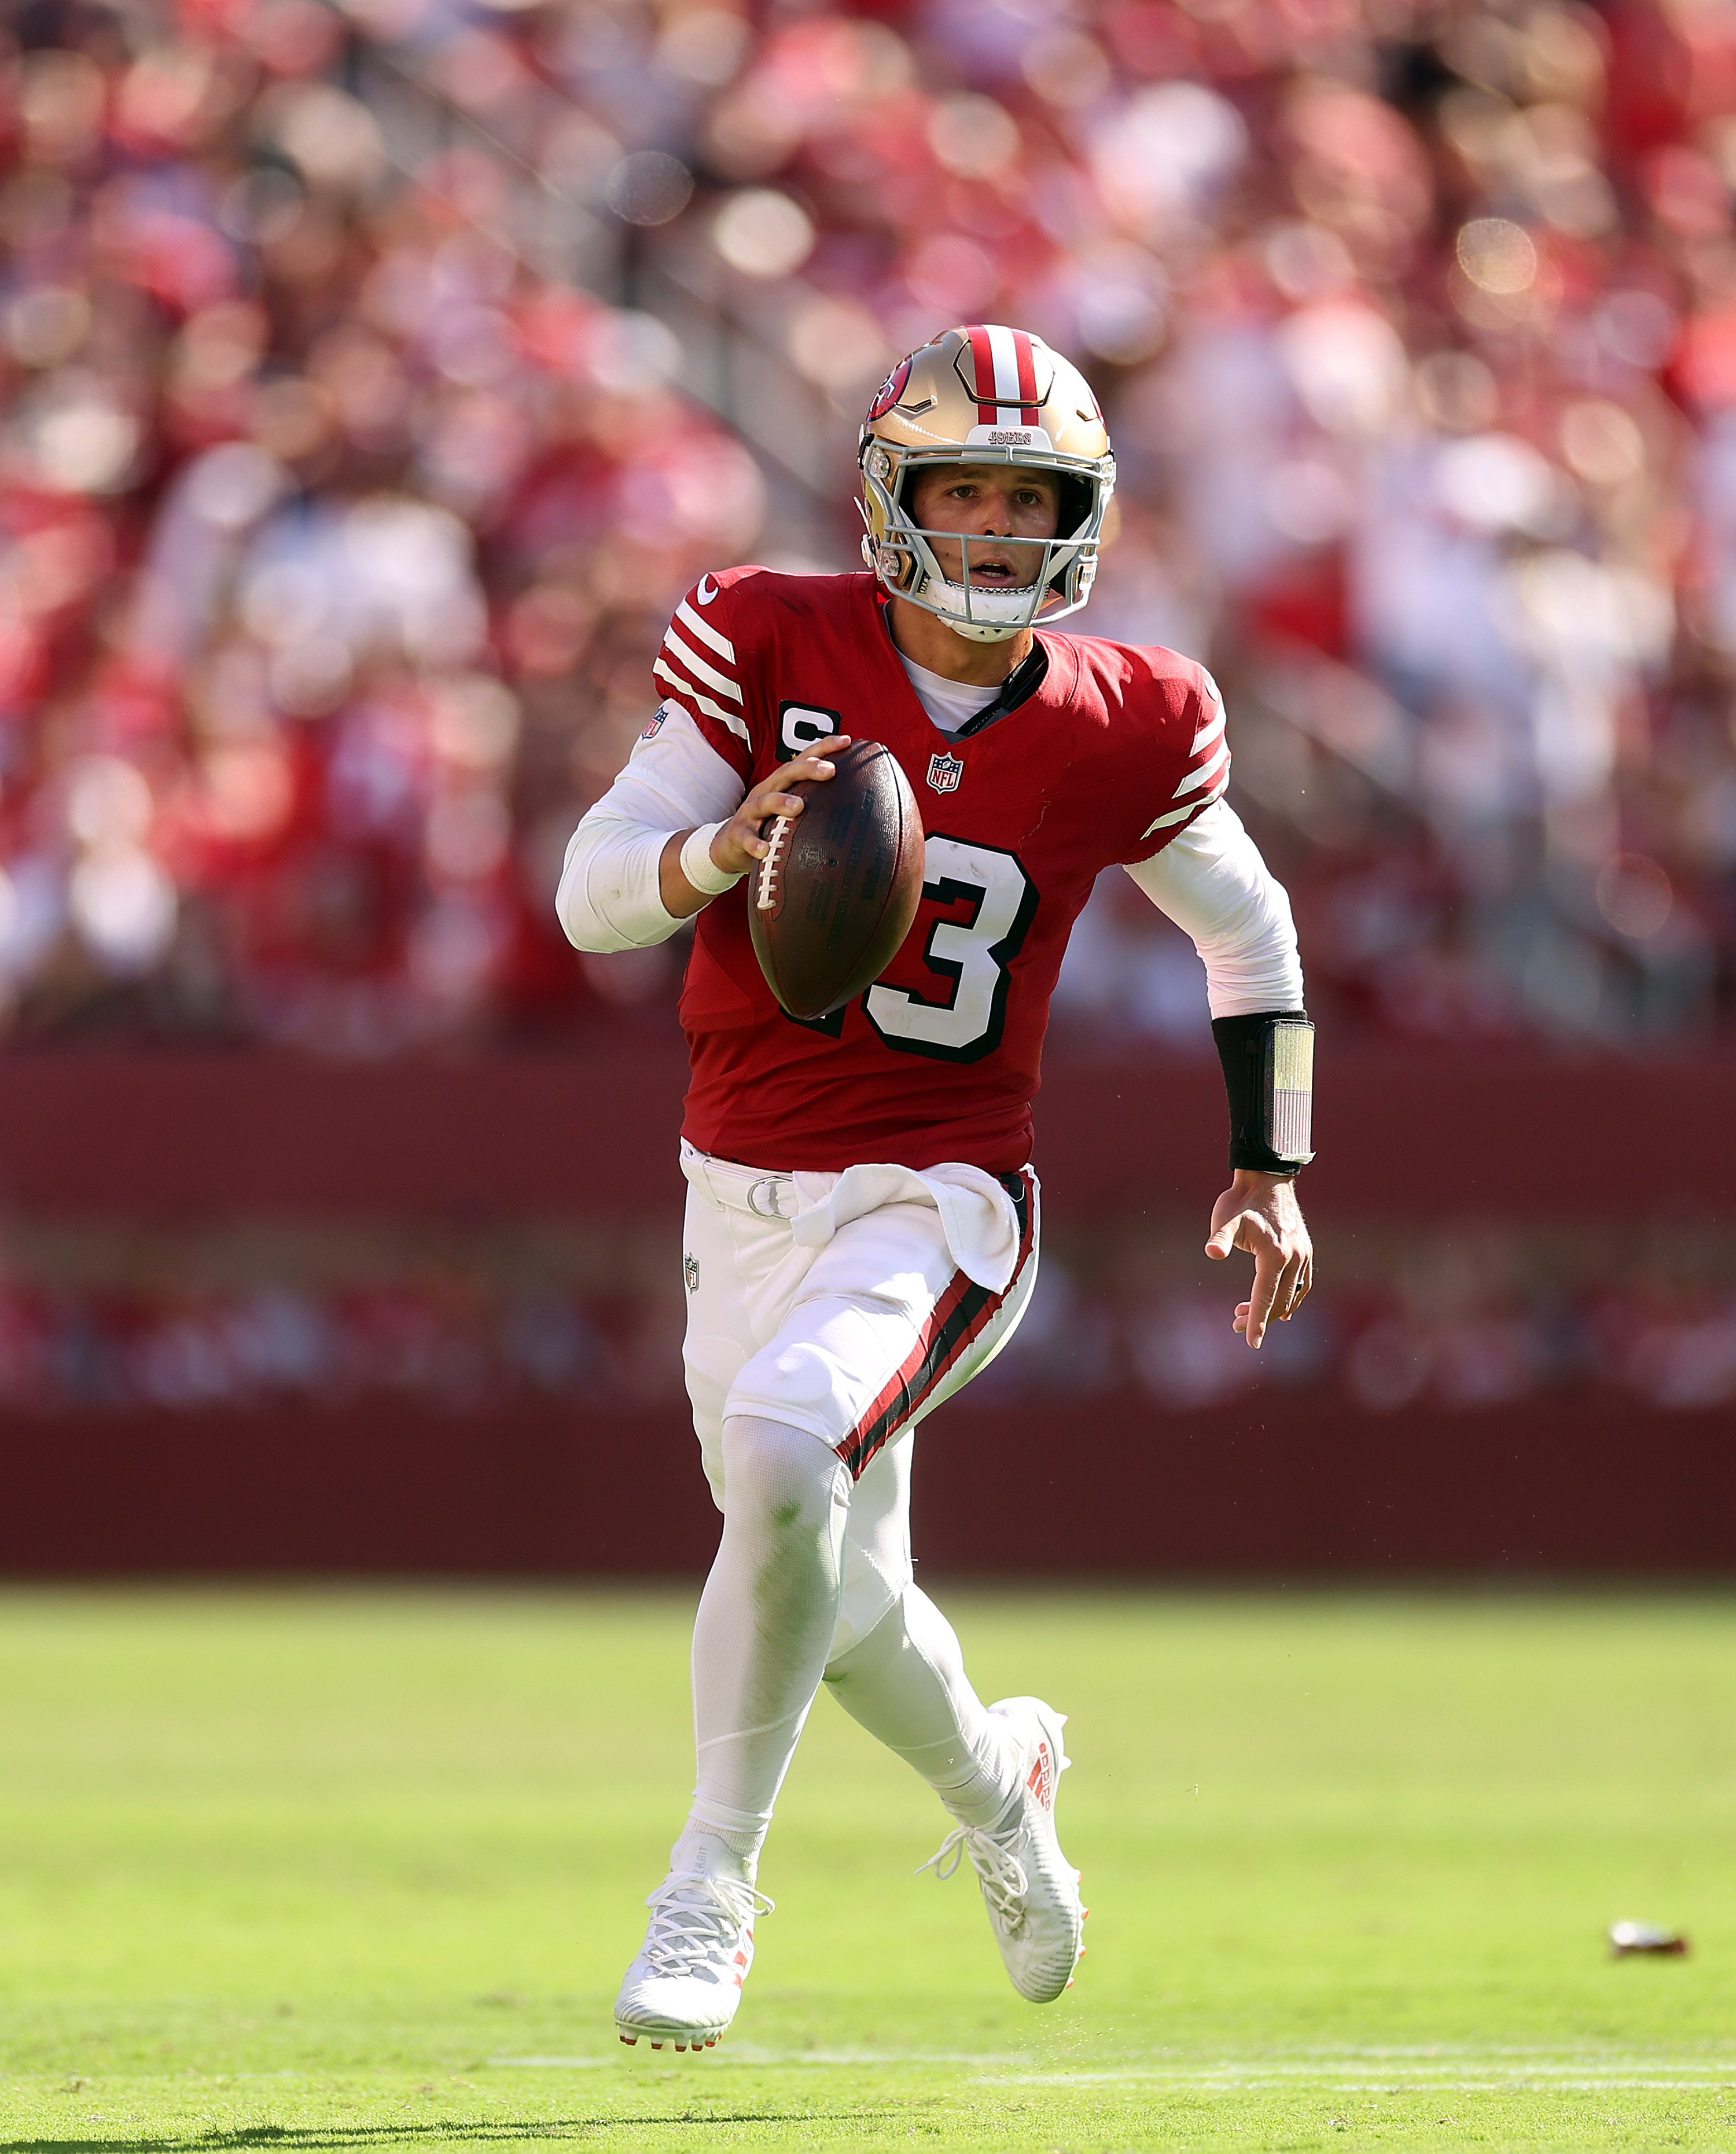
765 890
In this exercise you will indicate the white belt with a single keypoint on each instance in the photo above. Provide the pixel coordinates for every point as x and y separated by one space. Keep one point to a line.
982 1228
745 1188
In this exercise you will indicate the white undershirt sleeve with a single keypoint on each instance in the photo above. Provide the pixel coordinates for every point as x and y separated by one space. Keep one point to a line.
1212 881
609 896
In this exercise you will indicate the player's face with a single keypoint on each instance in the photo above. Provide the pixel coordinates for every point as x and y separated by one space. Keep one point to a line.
1002 510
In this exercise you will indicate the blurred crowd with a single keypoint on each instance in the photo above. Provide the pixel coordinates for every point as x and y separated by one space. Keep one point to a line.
374 376
1459 1318
333 543
468 1326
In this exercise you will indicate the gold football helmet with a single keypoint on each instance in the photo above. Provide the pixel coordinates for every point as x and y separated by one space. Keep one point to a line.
983 396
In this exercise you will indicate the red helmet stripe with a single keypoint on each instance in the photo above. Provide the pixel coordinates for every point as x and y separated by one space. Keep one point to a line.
983 370
1003 372
1027 377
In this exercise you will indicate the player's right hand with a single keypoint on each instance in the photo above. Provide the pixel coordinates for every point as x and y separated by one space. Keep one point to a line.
738 845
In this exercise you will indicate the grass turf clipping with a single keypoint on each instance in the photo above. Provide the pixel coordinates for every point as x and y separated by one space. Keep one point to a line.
361 1871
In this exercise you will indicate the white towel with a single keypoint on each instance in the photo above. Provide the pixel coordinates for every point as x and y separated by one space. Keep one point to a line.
977 1215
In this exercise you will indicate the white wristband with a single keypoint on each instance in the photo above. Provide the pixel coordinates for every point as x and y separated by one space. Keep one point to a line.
699 866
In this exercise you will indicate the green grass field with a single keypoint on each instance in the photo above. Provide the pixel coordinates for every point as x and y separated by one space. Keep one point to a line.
354 1870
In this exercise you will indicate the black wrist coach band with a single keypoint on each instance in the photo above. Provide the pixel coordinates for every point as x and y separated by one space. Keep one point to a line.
1268 1061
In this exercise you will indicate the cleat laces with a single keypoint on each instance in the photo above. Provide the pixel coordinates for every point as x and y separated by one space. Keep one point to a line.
695 1918
999 1871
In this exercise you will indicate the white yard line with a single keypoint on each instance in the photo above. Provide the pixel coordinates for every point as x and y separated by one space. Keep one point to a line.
1399 2074
1428 2069
746 2053
547 2064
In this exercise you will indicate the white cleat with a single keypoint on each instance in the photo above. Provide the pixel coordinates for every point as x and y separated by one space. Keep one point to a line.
1030 1888
686 1982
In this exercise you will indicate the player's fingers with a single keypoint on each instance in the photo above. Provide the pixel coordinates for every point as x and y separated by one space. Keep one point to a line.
1247 1230
754 813
1267 1270
811 762
769 797
1283 1302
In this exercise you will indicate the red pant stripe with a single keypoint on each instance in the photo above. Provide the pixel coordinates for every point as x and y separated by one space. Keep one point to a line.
960 1316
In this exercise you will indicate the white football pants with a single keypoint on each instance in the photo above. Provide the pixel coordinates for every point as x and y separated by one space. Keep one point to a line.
827 1314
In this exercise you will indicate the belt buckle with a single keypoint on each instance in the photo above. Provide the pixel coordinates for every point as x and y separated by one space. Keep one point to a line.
772 1183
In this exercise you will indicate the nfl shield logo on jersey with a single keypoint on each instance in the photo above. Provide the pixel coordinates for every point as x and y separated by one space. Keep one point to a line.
944 772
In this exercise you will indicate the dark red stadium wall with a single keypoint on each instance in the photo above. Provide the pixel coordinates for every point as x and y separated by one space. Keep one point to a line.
1299 1487
1307 1491
172 1136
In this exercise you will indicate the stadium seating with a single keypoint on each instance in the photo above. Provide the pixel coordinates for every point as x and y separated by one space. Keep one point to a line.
377 379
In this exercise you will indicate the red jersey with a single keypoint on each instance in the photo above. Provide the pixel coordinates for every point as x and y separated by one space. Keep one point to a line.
1116 752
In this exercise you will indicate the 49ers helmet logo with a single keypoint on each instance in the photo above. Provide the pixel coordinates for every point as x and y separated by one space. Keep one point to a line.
890 391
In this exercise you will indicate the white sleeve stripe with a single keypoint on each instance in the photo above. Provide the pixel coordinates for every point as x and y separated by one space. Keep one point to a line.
1181 814
735 723
703 629
1204 775
695 664
1206 734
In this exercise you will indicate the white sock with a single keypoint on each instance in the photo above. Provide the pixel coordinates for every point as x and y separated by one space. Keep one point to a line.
905 1683
765 1623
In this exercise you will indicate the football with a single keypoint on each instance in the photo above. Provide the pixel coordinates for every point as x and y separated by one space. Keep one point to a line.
830 903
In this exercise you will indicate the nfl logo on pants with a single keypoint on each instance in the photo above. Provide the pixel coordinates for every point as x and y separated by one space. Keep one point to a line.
944 772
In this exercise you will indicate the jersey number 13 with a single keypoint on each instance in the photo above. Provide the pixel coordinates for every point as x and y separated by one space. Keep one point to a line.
970 955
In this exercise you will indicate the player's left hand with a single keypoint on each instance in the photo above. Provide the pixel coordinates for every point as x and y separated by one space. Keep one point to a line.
1259 1213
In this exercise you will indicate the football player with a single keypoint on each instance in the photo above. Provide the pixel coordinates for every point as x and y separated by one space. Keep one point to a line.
862 1218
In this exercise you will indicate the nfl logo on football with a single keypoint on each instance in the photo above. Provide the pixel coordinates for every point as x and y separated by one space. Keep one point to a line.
944 772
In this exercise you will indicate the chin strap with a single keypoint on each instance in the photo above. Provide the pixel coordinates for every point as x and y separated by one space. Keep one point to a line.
1021 683
961 607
